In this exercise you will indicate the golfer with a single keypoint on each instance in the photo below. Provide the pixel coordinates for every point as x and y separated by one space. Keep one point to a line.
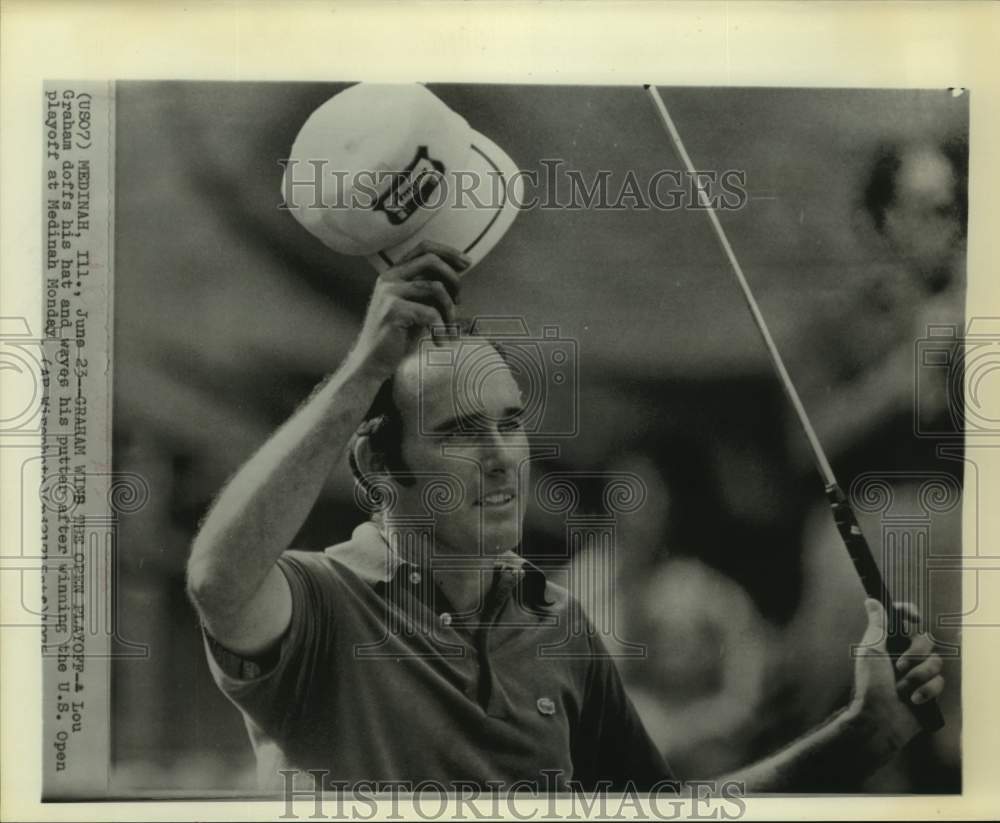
422 648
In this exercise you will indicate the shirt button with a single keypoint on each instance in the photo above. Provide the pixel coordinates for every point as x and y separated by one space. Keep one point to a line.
415 578
546 706
446 619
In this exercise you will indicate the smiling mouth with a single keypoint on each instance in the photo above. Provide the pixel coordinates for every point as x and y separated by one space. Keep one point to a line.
495 499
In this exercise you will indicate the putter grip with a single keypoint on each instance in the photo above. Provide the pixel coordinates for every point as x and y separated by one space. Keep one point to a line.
928 714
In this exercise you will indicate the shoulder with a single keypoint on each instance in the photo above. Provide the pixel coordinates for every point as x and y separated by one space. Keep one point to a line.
314 574
363 560
307 562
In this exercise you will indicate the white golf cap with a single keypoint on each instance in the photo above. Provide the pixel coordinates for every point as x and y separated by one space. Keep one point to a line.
395 166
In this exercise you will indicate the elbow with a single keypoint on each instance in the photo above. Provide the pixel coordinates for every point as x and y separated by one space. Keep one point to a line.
197 584
215 588
205 586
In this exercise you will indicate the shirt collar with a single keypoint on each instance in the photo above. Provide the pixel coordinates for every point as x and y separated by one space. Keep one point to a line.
367 555
371 558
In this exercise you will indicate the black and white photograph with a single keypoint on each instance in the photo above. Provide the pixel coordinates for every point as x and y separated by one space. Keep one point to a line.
564 440
468 463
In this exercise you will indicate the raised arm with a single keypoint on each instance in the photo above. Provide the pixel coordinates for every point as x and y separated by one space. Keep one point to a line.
863 737
241 595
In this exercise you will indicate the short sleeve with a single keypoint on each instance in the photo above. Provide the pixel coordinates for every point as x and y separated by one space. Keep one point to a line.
612 745
272 695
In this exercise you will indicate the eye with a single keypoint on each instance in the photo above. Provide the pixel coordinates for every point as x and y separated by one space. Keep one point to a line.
513 423
465 428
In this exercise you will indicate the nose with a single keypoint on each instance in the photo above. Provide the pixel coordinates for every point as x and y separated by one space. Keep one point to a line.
498 455
494 456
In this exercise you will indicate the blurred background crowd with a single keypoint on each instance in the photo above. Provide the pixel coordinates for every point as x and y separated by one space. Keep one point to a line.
731 574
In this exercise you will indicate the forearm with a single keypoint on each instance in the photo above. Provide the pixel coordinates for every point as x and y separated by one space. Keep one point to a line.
837 756
265 504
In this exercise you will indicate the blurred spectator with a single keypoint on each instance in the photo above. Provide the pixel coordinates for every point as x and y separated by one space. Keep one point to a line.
703 690
857 377
692 647
917 199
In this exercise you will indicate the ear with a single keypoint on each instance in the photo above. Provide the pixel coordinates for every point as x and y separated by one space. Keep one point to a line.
375 483
366 458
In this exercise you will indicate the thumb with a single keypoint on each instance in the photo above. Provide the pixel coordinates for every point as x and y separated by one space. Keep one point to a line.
874 637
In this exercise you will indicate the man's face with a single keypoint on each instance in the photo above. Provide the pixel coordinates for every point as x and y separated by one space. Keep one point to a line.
922 223
463 420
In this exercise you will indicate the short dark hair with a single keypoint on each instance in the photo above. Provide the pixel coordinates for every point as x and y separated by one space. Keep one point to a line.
383 422
880 189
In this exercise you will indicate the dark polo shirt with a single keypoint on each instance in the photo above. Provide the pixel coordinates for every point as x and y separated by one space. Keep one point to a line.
377 679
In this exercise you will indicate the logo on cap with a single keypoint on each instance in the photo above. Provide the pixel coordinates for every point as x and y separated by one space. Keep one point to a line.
411 187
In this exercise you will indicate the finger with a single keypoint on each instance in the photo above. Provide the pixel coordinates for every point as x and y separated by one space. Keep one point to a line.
908 611
929 691
428 267
416 315
430 292
920 674
416 251
920 647
452 256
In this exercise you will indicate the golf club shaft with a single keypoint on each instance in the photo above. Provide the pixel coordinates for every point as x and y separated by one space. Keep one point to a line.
854 540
